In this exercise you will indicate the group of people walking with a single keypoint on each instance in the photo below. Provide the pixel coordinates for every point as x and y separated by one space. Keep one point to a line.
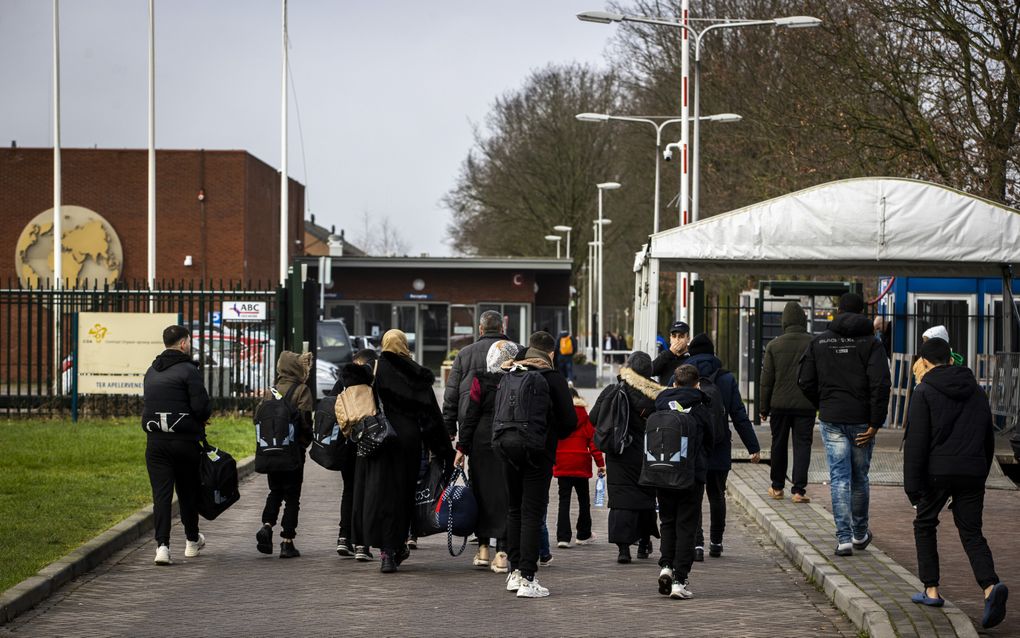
510 415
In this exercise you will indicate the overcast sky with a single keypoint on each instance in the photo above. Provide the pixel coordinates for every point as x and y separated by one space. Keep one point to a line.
387 89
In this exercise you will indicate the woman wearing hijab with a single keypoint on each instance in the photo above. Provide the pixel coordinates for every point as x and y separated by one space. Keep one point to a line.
486 469
384 501
631 506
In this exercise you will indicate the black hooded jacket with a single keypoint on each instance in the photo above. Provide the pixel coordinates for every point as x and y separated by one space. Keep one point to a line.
697 402
176 404
949 429
845 374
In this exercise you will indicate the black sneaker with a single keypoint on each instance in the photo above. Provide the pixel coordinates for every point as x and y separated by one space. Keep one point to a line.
844 549
699 554
863 544
715 550
388 565
362 554
287 550
545 560
412 543
402 555
624 556
344 547
264 539
644 548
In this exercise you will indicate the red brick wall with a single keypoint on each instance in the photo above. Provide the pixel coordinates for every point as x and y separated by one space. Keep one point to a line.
241 210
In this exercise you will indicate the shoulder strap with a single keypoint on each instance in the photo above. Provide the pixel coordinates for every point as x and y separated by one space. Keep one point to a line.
375 395
290 393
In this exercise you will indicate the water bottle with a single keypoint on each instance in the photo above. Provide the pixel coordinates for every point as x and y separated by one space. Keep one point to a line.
600 492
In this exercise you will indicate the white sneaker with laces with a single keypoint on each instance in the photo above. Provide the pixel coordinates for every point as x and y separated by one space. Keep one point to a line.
531 589
680 591
588 541
665 580
564 544
163 556
513 580
192 548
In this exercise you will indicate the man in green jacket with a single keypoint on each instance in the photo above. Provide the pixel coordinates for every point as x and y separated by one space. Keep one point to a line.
783 400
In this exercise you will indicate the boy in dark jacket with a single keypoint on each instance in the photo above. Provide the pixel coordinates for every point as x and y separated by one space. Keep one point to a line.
786 405
720 453
175 410
947 451
528 473
680 510
285 487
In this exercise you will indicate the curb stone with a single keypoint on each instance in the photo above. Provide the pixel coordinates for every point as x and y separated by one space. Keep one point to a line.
865 613
35 589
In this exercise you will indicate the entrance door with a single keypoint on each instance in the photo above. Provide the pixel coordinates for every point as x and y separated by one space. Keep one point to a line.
405 318
434 321
955 312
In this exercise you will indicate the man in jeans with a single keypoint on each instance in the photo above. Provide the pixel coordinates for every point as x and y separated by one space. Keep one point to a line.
529 472
845 374
789 409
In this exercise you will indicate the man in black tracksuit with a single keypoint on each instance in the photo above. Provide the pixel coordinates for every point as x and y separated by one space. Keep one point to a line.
176 408
947 451
845 374
527 479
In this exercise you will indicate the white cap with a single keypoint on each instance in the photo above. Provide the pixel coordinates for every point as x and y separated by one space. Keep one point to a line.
939 332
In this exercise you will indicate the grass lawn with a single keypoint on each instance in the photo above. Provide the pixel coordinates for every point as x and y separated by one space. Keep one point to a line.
62 484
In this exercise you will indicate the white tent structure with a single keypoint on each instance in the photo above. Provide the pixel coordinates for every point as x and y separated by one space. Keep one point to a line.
865 226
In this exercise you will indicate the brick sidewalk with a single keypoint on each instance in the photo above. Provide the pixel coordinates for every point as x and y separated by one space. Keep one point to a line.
753 590
892 521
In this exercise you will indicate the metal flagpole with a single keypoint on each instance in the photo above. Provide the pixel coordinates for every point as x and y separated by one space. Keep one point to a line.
685 137
151 269
284 198
58 217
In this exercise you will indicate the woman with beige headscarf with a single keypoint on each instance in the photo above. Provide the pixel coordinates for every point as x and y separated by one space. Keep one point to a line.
384 501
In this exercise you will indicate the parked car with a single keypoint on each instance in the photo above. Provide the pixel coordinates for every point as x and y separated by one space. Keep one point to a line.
334 344
326 375
366 342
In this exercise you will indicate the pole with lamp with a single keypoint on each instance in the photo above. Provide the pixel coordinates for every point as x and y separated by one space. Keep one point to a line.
600 249
588 308
557 239
565 229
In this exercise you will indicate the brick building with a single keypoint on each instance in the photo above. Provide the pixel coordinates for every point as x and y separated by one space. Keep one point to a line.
230 234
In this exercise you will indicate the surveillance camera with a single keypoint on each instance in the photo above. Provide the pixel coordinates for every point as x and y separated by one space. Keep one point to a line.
667 155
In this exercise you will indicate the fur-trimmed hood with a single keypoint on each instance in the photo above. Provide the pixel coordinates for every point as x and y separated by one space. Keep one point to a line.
414 376
642 384
535 363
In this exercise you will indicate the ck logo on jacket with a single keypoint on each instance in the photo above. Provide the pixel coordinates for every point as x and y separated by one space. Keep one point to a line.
164 421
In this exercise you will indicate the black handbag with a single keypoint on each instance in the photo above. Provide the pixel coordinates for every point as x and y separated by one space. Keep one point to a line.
372 433
218 488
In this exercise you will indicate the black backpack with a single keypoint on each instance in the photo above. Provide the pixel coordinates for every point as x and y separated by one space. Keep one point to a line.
217 473
716 408
276 429
672 444
612 421
330 448
519 420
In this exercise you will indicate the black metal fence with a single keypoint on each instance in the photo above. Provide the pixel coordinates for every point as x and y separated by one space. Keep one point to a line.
37 342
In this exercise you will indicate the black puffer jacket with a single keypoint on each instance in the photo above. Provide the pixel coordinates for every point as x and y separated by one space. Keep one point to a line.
845 373
176 404
468 362
949 429
666 364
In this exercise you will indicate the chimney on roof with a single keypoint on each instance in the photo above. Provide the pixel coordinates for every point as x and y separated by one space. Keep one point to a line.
336 245
14 143
332 229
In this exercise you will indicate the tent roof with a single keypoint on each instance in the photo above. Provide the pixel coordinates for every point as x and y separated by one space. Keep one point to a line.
865 226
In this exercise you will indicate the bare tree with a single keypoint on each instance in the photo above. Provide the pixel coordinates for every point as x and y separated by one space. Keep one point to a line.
381 236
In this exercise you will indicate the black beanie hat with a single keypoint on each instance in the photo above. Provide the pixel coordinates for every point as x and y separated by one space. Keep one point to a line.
640 362
936 351
701 344
851 302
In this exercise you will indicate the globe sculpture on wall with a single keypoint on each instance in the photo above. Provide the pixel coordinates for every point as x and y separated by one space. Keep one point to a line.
91 249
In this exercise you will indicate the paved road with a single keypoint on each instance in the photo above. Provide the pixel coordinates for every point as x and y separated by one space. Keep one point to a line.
232 590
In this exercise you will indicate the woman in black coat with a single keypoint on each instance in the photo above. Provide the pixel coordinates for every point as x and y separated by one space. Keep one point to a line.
632 516
485 468
385 483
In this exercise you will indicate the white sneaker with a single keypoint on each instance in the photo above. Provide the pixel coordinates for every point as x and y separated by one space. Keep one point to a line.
680 591
564 544
163 556
665 580
588 541
192 548
531 589
513 580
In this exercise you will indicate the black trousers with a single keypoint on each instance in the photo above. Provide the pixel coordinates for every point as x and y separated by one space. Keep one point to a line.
715 488
347 470
968 493
679 516
527 486
173 464
802 428
567 485
284 487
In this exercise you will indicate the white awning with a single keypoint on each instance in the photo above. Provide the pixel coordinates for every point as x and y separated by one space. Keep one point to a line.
865 226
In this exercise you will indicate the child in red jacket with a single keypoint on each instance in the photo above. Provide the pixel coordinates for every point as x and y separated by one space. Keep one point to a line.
574 455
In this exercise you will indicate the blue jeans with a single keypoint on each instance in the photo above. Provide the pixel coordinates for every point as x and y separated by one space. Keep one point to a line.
543 541
848 478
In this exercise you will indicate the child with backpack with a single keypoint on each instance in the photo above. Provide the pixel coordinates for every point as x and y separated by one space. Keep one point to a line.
677 439
283 426
572 470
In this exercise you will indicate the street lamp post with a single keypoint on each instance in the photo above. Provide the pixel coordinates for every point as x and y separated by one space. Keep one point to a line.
565 229
557 239
600 249
587 308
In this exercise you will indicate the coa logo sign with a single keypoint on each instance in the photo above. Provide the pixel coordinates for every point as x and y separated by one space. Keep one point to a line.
98 332
244 311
